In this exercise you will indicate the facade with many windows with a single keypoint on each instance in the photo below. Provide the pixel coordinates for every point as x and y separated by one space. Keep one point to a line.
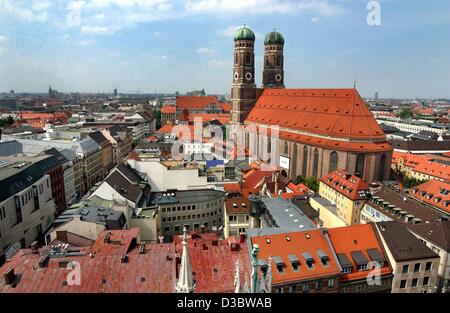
192 209
27 208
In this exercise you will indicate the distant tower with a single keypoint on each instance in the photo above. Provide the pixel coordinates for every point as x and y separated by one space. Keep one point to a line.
273 74
185 282
115 92
50 92
243 88
376 96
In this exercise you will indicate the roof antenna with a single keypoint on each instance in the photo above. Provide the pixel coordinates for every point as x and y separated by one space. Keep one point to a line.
354 84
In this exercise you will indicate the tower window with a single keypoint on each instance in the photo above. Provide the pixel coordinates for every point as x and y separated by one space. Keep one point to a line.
247 59
278 60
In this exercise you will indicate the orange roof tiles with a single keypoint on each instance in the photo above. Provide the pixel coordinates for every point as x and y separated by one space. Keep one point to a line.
435 193
222 118
168 109
213 261
226 107
353 238
232 188
340 113
297 243
346 184
195 102
424 164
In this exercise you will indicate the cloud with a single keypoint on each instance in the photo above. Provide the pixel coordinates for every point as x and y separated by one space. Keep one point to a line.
217 63
230 31
205 50
3 39
82 43
315 19
155 57
109 16
96 30
29 15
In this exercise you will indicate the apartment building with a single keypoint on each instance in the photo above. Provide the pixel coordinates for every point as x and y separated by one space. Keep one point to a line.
342 197
189 208
121 140
422 167
27 208
236 216
415 266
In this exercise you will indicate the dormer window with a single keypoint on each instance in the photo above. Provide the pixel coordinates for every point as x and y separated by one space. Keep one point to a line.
323 257
429 196
295 263
279 263
263 265
437 199
309 260
360 260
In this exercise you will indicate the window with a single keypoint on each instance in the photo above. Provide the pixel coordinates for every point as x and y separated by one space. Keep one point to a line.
426 280
359 170
330 282
427 265
405 269
403 284
347 269
316 163
382 164
294 160
415 282
286 147
416 267
305 161
305 288
333 162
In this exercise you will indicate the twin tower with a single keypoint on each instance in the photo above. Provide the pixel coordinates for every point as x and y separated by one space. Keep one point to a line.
243 88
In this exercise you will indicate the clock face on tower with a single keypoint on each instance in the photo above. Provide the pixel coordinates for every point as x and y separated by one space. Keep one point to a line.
236 76
278 77
248 76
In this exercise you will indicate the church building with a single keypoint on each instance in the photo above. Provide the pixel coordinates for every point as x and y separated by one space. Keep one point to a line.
320 130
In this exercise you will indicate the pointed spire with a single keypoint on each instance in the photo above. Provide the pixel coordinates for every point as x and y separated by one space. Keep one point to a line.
185 282
255 265
237 278
269 275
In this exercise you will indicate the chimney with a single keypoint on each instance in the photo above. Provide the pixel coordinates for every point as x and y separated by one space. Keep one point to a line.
107 238
43 261
34 246
203 228
124 259
161 239
242 238
142 247
9 276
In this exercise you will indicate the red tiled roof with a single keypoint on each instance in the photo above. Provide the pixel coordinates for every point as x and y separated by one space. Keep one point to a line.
298 188
195 102
424 164
433 192
296 243
153 271
346 184
214 261
233 187
222 118
237 205
168 109
357 238
339 113
226 107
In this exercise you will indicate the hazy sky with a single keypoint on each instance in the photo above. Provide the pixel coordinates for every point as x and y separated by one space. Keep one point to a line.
180 45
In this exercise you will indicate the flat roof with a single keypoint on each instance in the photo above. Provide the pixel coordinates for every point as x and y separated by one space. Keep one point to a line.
287 214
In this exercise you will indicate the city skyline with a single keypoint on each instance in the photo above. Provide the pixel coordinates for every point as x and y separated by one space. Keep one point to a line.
168 46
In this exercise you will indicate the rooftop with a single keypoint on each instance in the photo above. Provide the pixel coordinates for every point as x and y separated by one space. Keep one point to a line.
287 215
403 245
348 185
297 256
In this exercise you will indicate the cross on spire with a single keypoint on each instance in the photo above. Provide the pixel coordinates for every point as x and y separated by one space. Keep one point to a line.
185 282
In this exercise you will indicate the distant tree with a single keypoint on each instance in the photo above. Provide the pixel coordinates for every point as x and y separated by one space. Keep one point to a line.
157 115
406 113
412 182
310 182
